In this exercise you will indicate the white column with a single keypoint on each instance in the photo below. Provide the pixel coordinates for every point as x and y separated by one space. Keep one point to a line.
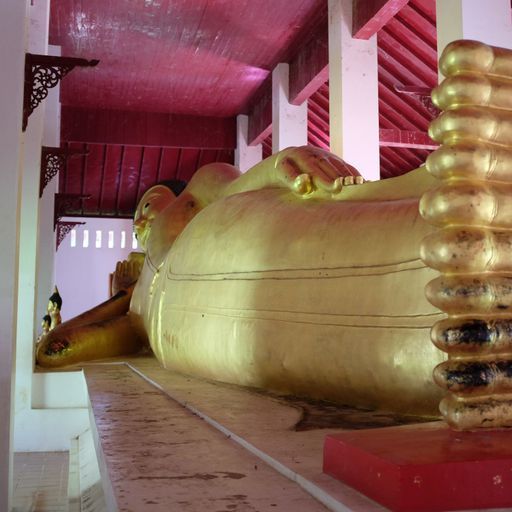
489 21
289 122
245 156
47 426
28 235
353 93
12 56
45 264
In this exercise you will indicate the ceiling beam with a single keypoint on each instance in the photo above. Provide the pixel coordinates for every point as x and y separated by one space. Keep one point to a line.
369 16
147 129
405 139
260 117
309 70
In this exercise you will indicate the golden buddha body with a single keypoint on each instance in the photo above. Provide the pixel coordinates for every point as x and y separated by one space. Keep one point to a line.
295 277
259 289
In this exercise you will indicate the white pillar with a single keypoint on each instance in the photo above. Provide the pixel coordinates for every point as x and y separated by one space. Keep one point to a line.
353 93
45 264
245 156
289 122
28 235
489 21
47 426
12 56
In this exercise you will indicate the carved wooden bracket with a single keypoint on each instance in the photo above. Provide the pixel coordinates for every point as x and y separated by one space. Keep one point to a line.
422 94
42 72
63 228
54 160
64 202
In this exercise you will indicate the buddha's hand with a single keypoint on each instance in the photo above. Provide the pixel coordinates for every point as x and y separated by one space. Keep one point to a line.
312 171
127 272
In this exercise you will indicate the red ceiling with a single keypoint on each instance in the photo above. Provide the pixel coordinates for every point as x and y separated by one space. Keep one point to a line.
210 59
198 57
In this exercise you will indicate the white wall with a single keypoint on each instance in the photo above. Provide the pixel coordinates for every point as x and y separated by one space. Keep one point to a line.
12 27
82 273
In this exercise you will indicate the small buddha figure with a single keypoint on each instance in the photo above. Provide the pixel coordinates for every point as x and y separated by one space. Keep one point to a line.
54 307
45 326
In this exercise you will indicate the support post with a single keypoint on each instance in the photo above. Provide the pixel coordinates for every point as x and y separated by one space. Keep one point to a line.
245 156
39 15
12 55
289 122
353 92
489 22
45 263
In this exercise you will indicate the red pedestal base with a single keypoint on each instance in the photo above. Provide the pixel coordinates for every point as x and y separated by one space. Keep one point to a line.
424 467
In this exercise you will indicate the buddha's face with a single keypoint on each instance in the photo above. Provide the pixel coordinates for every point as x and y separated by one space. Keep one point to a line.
151 204
53 307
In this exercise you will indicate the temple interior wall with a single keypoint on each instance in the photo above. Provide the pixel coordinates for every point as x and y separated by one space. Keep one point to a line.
85 260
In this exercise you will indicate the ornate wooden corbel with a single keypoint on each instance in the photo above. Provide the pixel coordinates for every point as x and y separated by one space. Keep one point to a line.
42 72
422 94
54 160
63 228
63 202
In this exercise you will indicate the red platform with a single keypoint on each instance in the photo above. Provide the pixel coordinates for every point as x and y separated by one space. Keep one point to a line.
424 467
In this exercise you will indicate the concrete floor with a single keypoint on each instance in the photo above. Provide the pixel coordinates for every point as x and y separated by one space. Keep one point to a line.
172 442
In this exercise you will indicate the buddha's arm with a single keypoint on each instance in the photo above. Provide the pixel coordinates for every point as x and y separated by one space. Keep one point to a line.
308 171
305 170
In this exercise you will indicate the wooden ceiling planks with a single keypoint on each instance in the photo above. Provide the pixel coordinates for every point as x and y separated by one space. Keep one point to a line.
116 176
146 128
197 58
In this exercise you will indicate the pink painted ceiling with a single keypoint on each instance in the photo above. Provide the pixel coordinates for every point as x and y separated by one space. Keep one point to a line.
211 59
198 57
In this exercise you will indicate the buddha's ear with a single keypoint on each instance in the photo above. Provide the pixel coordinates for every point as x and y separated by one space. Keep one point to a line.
155 198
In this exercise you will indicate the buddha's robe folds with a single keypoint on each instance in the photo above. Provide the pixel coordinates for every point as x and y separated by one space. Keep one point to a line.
310 297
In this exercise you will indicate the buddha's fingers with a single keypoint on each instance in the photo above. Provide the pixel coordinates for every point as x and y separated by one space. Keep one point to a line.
475 378
467 89
478 161
473 56
468 202
472 294
461 413
466 336
344 169
473 207
315 179
302 184
473 124
467 249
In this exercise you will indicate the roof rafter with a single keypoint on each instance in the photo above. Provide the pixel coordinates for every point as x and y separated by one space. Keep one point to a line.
369 16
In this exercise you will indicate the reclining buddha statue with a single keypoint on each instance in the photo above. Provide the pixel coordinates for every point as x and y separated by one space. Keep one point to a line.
300 278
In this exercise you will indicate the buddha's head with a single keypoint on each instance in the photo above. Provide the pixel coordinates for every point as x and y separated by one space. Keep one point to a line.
46 323
54 302
151 204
